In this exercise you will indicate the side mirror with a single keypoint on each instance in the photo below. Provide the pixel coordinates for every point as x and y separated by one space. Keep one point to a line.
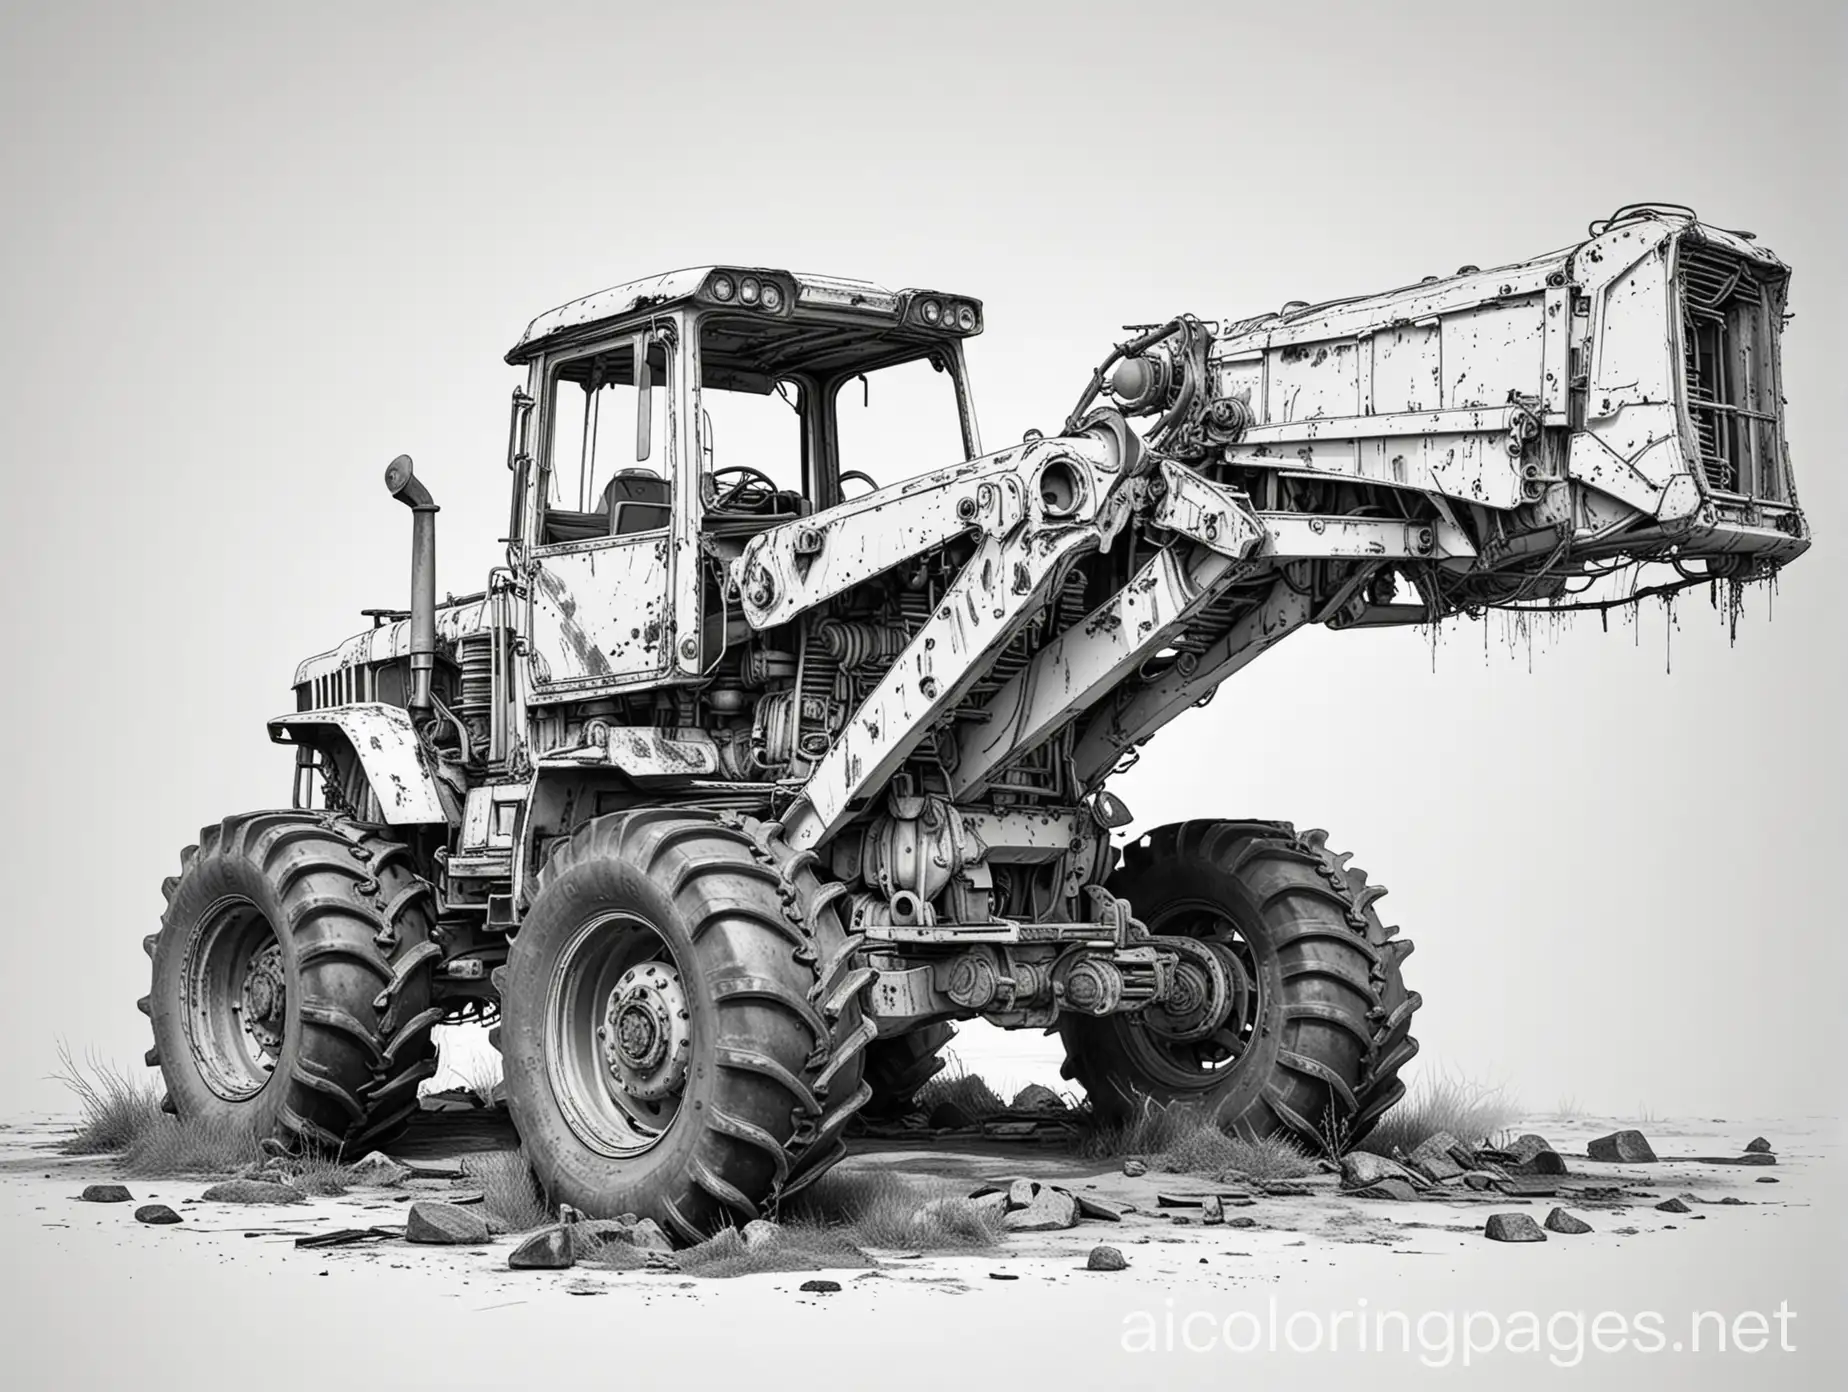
644 399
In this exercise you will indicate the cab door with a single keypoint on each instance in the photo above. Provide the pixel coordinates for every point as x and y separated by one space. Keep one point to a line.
602 561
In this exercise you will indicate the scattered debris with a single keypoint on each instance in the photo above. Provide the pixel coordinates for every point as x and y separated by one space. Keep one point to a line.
1098 1209
593 1237
821 1287
1673 1206
253 1191
1002 1276
1732 1200
549 1249
1512 1227
105 1193
1758 1145
380 1169
1391 1187
1479 1179
1105 1259
347 1237
1751 1158
1433 1159
1623 1148
156 1213
450 1100
1524 1188
1360 1169
1767 1179
1560 1221
444 1224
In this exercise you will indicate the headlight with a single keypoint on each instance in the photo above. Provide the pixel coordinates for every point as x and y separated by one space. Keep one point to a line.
748 290
722 287
773 297
965 317
931 310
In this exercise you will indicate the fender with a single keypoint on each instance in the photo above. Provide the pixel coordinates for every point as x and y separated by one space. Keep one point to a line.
381 738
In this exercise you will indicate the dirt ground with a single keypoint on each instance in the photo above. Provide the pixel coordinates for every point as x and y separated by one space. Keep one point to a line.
96 1299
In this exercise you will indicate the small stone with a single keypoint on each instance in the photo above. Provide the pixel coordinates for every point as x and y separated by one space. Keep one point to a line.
156 1213
1212 1212
1622 1148
1673 1206
1037 1097
1732 1200
759 1233
1767 1179
253 1191
820 1287
1360 1168
549 1249
1758 1145
1513 1227
1135 1169
444 1225
1241 1222
1050 1211
105 1193
1098 1209
1021 1193
1560 1221
379 1168
1105 1259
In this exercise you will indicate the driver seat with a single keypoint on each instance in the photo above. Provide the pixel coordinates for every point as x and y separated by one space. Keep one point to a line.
636 500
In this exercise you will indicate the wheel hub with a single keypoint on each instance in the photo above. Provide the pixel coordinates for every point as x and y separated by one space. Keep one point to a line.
1209 993
265 998
647 1033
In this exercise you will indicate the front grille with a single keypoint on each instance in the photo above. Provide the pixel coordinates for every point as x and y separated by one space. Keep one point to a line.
1730 315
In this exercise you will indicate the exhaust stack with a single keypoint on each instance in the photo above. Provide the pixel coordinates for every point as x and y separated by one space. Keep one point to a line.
404 486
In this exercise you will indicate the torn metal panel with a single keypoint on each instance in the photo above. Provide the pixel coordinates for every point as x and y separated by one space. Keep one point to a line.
381 736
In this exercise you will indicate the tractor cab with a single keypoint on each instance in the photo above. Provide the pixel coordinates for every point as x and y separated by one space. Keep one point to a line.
667 421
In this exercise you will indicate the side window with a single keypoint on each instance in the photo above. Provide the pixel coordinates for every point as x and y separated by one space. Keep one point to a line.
898 422
606 459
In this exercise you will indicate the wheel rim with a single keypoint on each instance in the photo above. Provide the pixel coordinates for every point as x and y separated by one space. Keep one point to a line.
1210 1059
236 999
618 1035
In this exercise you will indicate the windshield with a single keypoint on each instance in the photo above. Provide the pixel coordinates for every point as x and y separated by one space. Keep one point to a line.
898 422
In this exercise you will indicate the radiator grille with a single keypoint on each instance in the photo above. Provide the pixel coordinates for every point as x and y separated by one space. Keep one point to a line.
1729 324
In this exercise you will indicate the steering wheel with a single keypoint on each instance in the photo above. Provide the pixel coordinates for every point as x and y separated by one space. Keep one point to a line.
859 476
753 490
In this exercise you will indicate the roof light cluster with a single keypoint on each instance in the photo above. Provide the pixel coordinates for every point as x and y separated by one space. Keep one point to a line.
941 312
746 289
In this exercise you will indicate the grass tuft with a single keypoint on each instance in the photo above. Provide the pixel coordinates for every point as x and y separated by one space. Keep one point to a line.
114 1107
875 1208
956 1085
1472 1112
1175 1139
798 1248
512 1189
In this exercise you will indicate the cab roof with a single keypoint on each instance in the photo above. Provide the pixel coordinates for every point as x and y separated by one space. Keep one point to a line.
810 292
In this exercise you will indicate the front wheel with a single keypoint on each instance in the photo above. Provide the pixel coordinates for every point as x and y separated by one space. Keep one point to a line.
681 1028
1320 1019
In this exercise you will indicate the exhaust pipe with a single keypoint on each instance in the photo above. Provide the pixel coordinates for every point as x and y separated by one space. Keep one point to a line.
403 485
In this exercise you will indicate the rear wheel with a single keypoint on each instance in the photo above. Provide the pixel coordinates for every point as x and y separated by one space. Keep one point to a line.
291 993
1320 1023
897 1067
681 1028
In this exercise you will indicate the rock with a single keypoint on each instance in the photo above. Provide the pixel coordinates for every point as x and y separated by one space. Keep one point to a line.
253 1191
549 1249
379 1168
1767 1179
1360 1168
761 1232
1135 1169
1758 1145
992 1204
1512 1227
1433 1160
1623 1148
1673 1206
1479 1179
1037 1097
1105 1259
648 1237
589 1235
1732 1200
1021 1193
1391 1187
1212 1212
1560 1221
1050 1211
947 1116
444 1225
1098 1209
1241 1222
1525 1148
1544 1162
820 1287
105 1193
156 1213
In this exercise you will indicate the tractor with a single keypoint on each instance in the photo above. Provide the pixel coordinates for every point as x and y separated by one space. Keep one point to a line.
779 745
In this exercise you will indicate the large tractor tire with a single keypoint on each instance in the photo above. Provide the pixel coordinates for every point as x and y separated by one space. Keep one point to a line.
1322 1021
680 1021
291 995
896 1068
